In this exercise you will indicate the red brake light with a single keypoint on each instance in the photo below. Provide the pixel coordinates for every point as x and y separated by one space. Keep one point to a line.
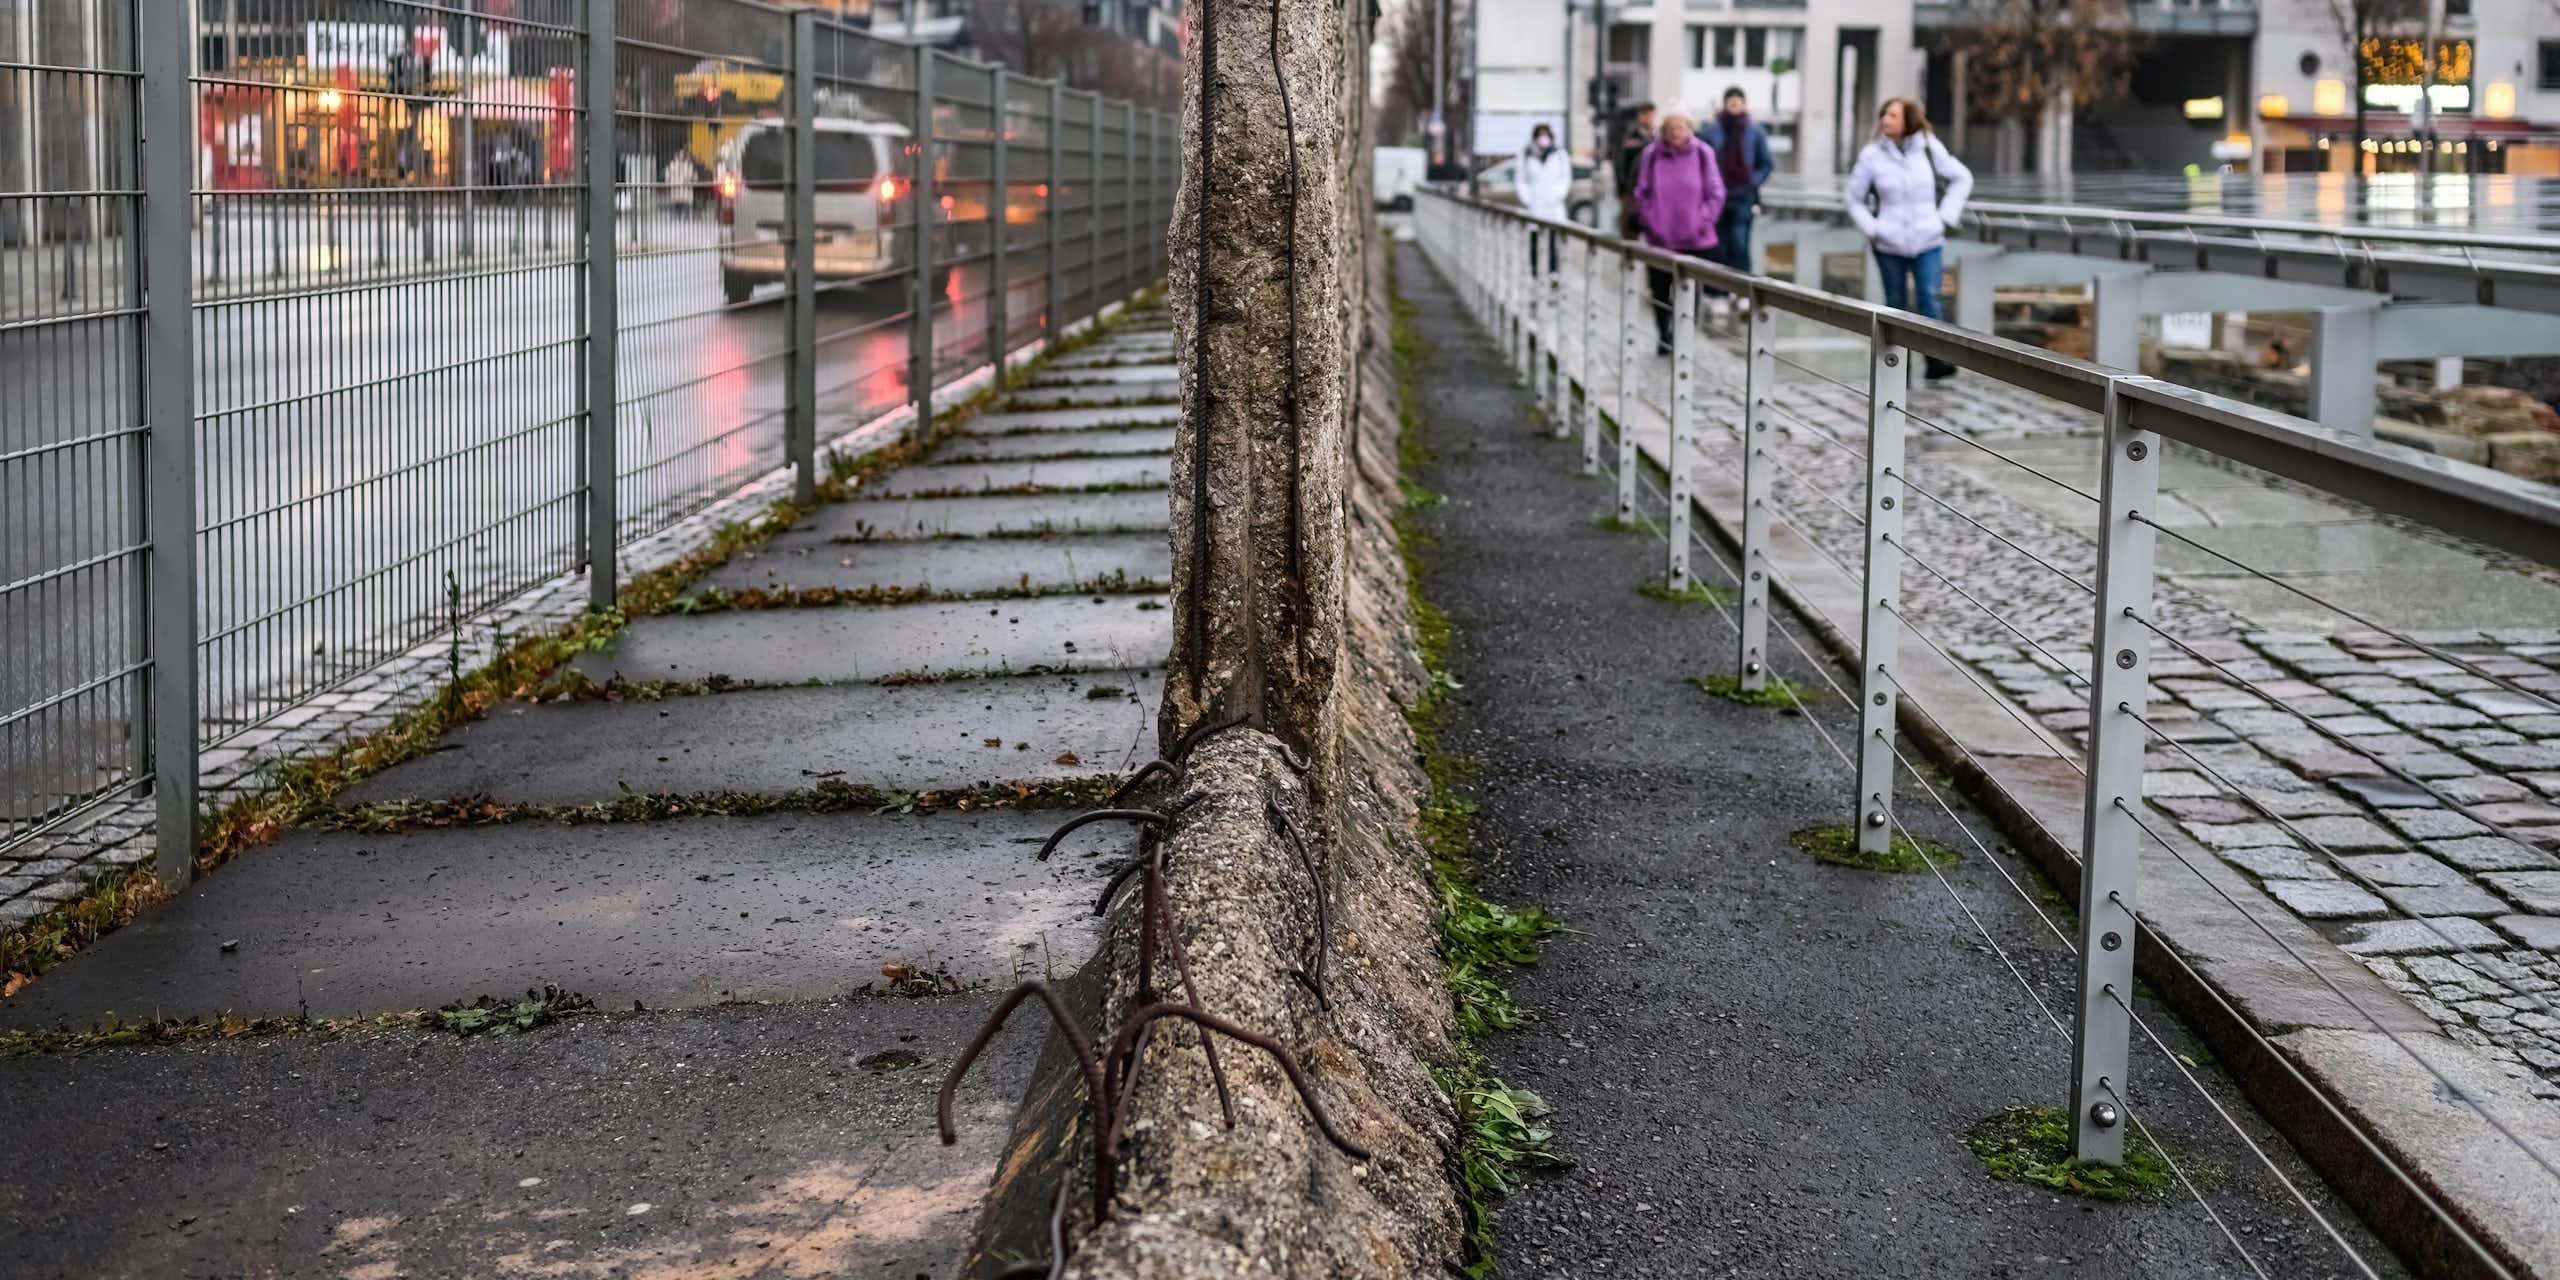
728 186
888 188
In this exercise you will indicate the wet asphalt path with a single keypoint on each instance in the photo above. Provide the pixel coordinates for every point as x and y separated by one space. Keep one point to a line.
1760 1065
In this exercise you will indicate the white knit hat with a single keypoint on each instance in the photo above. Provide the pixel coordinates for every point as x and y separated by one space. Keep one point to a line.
1674 109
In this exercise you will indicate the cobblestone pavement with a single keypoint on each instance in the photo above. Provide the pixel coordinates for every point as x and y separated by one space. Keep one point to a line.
2401 792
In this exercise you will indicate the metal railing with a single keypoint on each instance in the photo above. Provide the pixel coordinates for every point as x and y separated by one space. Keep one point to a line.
1818 452
404 307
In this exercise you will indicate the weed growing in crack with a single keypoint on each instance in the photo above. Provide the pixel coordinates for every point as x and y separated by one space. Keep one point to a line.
1838 845
2033 1145
490 1016
1614 523
1775 695
1696 594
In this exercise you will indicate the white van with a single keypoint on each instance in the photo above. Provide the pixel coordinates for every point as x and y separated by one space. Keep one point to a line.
859 194
1397 173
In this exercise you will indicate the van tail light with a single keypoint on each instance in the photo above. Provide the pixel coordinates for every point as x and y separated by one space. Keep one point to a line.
727 189
889 188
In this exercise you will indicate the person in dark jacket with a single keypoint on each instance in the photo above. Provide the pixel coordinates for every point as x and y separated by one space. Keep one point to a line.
1744 161
1631 145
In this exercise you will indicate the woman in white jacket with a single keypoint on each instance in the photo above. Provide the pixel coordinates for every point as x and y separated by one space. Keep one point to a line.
1895 199
1545 181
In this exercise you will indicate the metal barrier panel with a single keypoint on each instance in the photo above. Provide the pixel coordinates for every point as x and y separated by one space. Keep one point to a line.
864 311
1073 207
964 209
75 485
1026 208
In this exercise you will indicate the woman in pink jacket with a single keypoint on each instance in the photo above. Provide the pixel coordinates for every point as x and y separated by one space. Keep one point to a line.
1678 194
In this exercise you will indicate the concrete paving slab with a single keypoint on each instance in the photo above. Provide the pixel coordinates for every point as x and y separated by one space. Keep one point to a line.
728 1142
1120 393
673 914
1004 421
1064 474
905 737
1140 510
961 566
2411 598
2332 547
1098 375
1100 442
837 645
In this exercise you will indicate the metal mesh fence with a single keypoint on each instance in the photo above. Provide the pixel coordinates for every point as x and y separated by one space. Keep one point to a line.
453 297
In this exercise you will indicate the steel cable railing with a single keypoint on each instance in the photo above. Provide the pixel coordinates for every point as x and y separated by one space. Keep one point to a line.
2132 417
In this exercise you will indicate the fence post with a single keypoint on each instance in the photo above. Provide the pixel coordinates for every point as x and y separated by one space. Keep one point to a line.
1880 631
1155 195
2119 686
1560 373
1055 184
999 232
168 710
1760 373
1590 364
800 417
1093 203
920 324
1629 354
1684 348
603 308
1129 199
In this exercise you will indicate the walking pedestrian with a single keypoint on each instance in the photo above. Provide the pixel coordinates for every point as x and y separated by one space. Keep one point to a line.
1545 181
1637 135
1679 193
678 181
1744 161
1905 194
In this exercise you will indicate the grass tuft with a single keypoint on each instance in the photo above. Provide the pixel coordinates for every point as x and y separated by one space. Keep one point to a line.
1613 523
2033 1145
1773 695
1838 845
1696 594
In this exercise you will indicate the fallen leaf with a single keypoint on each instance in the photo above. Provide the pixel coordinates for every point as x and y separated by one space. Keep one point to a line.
1066 757
992 742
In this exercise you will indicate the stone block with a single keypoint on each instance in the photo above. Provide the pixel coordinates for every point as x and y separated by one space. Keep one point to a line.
2388 793
2491 853
2431 764
2542 933
2237 835
2413 937
2538 891
2276 862
2344 834
2431 715
2444 900
2431 824
2326 899
2400 869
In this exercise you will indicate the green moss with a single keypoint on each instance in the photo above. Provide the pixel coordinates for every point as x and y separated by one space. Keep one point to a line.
1839 846
1775 694
830 796
1501 1133
1696 594
1614 523
2033 1145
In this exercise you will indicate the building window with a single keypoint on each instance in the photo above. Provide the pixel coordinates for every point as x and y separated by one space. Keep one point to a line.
2549 78
1736 48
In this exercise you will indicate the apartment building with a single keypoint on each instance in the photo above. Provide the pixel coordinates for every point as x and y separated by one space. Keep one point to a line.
2495 91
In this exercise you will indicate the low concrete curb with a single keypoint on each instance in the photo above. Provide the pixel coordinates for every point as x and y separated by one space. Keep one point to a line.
1271 1196
2343 1065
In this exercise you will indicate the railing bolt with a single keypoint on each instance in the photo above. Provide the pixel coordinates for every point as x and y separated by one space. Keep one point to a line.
2137 451
1887 504
2103 1114
1892 359
1879 699
2112 941
2124 659
1875 819
1755 575
1751 668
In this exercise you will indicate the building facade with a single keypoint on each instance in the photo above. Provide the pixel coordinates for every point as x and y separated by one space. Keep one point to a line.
1815 71
2495 96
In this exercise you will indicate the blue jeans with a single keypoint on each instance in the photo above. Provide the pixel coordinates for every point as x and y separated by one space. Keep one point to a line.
1733 238
1911 283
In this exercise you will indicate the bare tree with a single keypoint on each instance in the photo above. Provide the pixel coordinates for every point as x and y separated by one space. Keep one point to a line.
2365 25
1051 40
2030 59
1404 101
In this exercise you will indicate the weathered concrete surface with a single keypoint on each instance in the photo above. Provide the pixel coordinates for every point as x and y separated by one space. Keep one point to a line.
1099 442
672 914
730 1142
853 523
1119 394
834 645
1016 421
1065 563
1065 475
1761 1065
905 737
1103 375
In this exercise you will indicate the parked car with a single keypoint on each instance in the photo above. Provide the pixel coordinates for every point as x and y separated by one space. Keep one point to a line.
1499 183
859 191
1398 173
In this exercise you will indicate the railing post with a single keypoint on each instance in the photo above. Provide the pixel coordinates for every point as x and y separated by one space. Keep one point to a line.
800 400
999 232
1054 180
1880 631
1129 199
927 198
1630 356
1760 383
1684 349
603 309
2119 686
167 710
1591 320
1559 373
1093 203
